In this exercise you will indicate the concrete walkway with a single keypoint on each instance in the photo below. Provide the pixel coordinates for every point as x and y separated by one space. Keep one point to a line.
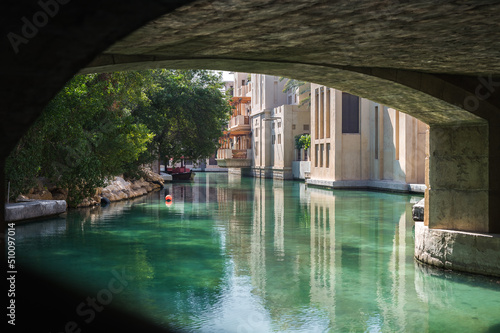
33 209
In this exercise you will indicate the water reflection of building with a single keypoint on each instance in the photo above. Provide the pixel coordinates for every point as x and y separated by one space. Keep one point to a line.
358 244
323 253
337 250
258 237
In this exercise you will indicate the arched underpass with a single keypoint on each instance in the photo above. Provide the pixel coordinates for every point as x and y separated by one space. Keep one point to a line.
438 61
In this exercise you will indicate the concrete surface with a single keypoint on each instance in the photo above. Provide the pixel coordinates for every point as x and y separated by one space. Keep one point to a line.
457 250
33 209
418 211
386 185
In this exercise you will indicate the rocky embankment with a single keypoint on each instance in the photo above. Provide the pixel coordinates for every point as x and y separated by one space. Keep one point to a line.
116 190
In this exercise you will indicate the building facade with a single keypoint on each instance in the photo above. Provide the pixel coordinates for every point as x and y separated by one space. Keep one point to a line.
259 140
235 151
276 118
358 143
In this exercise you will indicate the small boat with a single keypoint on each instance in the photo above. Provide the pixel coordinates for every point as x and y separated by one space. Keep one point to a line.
180 174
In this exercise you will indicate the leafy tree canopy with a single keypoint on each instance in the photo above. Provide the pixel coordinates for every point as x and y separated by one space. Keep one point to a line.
84 135
187 111
303 141
102 125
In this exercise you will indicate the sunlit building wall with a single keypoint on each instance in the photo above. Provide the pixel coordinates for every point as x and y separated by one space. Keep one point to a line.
359 143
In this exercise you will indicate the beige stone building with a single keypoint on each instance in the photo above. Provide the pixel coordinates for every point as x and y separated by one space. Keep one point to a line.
358 143
260 136
276 119
235 150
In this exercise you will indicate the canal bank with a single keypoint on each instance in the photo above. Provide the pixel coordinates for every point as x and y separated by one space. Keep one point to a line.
41 203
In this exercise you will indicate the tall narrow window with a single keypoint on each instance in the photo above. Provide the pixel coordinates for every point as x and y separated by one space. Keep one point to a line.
322 148
275 92
279 139
322 112
350 113
327 110
376 133
260 90
397 135
316 115
327 162
316 156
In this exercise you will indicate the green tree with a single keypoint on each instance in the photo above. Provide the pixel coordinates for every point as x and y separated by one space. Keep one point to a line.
84 135
305 141
102 125
187 111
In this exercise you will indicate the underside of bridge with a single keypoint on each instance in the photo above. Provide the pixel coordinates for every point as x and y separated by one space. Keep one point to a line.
436 60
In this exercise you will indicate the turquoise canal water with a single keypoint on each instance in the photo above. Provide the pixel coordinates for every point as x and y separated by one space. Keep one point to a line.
237 254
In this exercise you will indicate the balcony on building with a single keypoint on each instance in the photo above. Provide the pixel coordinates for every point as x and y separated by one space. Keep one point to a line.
240 125
234 158
235 150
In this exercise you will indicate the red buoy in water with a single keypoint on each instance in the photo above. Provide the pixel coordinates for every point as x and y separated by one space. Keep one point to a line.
168 198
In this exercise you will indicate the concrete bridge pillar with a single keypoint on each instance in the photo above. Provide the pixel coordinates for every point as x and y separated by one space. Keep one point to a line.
457 178
461 228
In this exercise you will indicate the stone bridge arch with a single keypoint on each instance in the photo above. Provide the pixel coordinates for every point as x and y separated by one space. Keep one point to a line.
438 61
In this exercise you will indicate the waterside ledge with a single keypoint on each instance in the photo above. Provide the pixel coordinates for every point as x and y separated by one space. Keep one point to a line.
470 252
385 185
29 210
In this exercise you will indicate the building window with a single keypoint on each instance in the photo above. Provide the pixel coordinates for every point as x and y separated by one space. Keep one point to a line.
306 127
256 148
327 110
275 92
322 113
279 124
316 156
256 132
273 125
397 135
322 148
273 139
376 132
293 126
316 115
327 164
279 139
350 113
